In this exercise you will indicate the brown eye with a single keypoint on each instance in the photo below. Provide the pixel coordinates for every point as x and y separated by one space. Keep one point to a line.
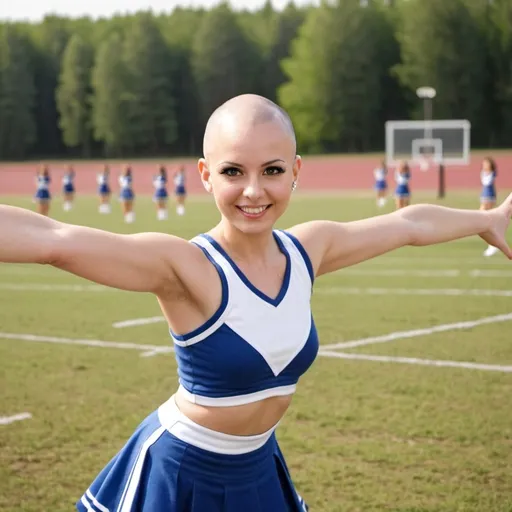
274 170
230 171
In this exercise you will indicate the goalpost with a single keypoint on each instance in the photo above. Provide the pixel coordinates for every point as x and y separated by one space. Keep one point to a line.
427 143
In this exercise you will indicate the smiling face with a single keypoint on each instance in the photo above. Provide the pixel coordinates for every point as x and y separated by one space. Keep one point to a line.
250 166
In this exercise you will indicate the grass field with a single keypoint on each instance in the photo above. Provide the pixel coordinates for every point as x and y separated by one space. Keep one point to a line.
429 431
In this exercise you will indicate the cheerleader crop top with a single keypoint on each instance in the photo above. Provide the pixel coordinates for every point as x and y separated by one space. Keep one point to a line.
254 346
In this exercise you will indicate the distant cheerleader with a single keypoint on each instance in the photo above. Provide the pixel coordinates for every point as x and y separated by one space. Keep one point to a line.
127 195
161 195
381 185
180 190
488 195
402 190
104 191
68 188
43 197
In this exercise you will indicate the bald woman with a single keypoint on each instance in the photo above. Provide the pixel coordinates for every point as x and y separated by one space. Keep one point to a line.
237 302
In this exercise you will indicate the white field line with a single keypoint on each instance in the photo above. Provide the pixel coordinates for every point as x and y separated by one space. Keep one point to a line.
146 349
152 350
418 361
353 291
419 332
401 272
22 287
6 420
392 261
138 321
477 272
436 292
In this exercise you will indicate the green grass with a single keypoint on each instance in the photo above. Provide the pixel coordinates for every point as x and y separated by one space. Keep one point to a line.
360 435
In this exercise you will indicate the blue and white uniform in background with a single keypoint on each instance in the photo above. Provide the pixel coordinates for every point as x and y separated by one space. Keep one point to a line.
43 188
488 179
126 193
160 184
253 347
380 175
402 184
68 182
179 184
103 184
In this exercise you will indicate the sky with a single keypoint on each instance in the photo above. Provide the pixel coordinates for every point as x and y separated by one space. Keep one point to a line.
35 10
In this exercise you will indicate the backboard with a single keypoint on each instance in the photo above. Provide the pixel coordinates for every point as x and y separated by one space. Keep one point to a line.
444 142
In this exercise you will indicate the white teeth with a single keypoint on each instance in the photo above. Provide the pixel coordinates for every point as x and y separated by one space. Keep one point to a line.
253 211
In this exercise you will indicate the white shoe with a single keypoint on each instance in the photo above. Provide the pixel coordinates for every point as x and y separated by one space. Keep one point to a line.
104 208
180 210
381 202
67 206
161 214
491 251
129 217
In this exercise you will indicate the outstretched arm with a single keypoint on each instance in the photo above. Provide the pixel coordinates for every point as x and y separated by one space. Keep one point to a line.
334 245
140 262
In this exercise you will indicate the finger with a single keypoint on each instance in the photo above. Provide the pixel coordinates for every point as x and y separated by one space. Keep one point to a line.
506 250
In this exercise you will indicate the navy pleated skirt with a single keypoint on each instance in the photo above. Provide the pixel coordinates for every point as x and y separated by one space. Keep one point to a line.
104 189
160 194
171 464
126 194
42 194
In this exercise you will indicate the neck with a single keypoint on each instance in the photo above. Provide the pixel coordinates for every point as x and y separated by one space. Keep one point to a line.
245 246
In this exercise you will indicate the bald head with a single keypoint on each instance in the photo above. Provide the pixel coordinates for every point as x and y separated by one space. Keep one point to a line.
242 113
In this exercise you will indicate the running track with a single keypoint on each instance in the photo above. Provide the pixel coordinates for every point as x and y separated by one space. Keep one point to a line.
319 173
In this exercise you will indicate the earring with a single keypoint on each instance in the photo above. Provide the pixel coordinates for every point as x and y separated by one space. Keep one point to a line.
294 185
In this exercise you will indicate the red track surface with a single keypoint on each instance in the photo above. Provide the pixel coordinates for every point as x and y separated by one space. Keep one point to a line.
328 173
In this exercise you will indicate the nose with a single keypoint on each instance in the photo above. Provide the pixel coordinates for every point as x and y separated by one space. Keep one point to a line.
253 190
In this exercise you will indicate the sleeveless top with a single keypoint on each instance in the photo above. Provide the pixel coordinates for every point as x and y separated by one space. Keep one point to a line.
125 182
402 178
179 180
487 178
380 174
159 182
43 182
254 346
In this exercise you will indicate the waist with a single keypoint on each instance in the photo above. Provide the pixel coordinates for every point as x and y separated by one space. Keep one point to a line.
189 431
248 419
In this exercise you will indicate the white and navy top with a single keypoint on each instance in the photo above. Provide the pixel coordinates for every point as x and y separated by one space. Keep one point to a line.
125 181
102 179
68 182
179 180
488 180
402 184
159 182
43 182
254 346
380 173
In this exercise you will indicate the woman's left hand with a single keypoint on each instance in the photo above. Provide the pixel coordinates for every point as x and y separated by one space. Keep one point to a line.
500 219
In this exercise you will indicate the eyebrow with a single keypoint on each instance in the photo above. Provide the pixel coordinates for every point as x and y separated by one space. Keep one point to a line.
262 165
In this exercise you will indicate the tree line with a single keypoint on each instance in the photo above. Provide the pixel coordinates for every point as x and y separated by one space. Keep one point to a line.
145 84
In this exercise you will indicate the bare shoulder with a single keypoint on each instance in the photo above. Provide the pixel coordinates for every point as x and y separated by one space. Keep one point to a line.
312 236
335 245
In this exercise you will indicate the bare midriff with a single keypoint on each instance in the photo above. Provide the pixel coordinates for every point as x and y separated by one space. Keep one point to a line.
239 420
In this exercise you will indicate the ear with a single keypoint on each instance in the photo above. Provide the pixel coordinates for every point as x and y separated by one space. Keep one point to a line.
296 167
204 172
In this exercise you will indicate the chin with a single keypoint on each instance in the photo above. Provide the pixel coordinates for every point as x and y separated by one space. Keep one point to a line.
253 228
